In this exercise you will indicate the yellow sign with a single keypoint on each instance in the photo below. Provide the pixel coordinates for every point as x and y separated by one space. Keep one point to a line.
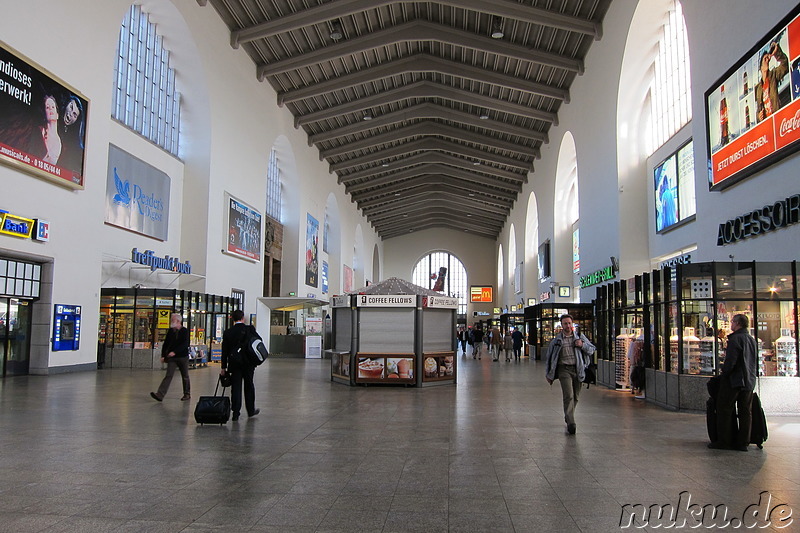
163 318
16 226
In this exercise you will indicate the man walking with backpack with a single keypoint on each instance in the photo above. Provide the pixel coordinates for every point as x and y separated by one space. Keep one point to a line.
237 364
567 357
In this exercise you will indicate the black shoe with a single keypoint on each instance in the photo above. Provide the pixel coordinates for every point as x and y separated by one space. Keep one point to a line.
717 446
235 417
156 397
185 397
572 428
254 413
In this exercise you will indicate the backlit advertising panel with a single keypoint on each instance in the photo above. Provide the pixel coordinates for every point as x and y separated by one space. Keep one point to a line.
481 294
42 121
753 110
244 229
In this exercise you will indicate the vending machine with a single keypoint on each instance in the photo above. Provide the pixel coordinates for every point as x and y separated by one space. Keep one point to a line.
66 327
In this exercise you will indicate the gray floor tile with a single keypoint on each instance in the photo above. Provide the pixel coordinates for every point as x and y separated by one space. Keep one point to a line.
489 454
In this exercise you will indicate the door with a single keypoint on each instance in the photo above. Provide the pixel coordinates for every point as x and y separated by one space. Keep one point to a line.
15 317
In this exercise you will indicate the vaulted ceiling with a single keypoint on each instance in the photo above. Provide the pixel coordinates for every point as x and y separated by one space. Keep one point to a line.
431 114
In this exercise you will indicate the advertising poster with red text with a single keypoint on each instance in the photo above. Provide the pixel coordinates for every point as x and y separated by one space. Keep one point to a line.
753 112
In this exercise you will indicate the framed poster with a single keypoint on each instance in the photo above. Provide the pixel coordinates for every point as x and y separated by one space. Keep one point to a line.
752 110
244 229
312 241
42 121
347 281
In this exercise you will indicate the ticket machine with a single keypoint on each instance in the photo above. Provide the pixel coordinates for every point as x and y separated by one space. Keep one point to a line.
66 327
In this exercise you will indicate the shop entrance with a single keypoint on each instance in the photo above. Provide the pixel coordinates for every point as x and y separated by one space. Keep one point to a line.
15 334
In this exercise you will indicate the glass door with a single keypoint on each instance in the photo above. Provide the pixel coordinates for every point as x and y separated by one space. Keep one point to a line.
3 334
15 317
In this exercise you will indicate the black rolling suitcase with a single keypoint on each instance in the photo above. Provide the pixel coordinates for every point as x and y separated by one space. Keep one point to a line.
758 426
213 409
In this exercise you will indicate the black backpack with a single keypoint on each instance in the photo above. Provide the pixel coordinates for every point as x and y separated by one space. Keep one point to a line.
252 349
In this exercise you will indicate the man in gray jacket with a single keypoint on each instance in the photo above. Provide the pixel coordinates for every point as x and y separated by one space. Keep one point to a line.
568 355
736 384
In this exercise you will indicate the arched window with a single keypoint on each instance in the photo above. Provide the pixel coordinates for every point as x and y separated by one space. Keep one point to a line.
145 98
427 270
670 91
273 208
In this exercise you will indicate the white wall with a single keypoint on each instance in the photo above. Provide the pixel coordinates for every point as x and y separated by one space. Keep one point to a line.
478 254
229 123
619 223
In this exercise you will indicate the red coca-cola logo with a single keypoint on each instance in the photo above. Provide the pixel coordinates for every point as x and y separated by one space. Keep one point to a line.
790 124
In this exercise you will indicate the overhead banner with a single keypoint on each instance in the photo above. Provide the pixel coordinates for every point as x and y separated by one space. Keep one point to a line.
244 229
137 195
312 238
753 110
42 121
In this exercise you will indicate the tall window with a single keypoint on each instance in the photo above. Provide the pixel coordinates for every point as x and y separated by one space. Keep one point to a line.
670 93
427 271
145 98
273 187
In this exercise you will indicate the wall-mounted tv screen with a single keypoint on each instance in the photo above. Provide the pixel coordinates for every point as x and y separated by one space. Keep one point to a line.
544 260
673 183
752 110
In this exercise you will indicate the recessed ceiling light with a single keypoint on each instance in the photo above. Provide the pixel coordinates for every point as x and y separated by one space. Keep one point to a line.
385 165
484 115
497 28
472 194
367 115
397 194
476 163
336 31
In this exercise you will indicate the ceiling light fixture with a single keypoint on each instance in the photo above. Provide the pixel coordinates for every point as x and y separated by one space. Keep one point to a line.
484 115
497 28
385 164
336 31
367 115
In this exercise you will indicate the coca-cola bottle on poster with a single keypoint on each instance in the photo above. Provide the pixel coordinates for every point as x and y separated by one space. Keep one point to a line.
747 116
723 119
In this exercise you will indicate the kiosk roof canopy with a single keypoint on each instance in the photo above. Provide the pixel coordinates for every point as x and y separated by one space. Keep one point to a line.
396 286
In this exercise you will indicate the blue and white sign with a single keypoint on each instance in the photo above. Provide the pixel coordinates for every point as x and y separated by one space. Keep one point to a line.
324 277
137 195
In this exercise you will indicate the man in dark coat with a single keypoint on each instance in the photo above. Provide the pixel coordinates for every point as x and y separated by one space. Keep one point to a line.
737 381
239 367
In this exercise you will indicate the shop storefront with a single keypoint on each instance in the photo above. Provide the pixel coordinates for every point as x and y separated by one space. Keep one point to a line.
543 322
134 322
394 333
674 322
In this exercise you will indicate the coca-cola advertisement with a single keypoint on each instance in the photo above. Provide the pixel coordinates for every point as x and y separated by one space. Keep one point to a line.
753 111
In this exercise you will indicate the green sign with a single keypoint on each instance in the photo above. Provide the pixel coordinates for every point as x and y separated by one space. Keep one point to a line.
599 276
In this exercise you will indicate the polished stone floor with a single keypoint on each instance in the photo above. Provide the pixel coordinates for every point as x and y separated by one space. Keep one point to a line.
93 452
